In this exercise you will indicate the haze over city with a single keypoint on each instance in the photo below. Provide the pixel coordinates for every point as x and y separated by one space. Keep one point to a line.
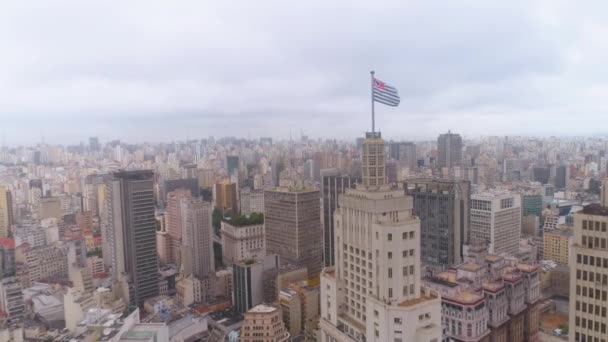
313 171
151 71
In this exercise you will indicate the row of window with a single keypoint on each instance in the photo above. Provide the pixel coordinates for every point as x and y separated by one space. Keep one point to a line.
589 292
404 236
591 260
590 308
578 337
594 242
590 324
592 276
594 225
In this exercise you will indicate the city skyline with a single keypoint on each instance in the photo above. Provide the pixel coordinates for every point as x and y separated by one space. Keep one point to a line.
495 69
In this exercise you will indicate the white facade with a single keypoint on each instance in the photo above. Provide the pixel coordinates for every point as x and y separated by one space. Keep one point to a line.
252 201
242 242
374 291
496 220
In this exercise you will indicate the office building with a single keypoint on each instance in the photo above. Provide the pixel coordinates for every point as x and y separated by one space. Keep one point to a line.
443 210
254 282
293 227
130 207
405 153
225 197
333 184
232 165
7 257
197 243
374 292
299 302
243 238
174 224
263 323
496 220
6 212
541 174
449 146
556 245
11 298
562 175
252 201
190 184
589 273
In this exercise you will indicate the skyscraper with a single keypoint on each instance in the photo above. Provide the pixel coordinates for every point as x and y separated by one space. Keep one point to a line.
7 257
174 222
6 212
373 293
130 205
332 185
562 174
443 210
252 282
589 272
293 227
263 323
197 240
232 164
405 152
225 197
496 220
449 146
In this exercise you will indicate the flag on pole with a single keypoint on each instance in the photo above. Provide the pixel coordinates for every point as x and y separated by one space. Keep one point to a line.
385 93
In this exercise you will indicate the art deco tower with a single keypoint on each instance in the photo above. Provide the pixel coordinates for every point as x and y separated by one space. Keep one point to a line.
373 293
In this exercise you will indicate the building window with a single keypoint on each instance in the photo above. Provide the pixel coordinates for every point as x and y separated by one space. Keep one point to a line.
390 272
397 320
390 255
390 237
411 235
390 292
404 236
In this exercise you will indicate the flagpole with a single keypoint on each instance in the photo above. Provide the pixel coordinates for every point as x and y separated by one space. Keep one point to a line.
372 94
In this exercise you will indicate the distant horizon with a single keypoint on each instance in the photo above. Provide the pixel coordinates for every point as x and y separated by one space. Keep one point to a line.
104 141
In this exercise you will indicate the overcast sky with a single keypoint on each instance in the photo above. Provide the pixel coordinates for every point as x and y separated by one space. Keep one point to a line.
164 70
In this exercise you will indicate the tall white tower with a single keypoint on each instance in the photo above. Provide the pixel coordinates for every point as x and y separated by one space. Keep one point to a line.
373 293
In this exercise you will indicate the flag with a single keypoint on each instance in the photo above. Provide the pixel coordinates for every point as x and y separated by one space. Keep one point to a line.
385 93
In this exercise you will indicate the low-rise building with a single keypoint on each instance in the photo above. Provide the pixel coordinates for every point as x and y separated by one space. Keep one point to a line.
263 323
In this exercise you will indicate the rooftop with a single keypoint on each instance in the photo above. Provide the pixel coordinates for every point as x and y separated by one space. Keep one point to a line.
469 266
262 308
465 297
423 298
527 268
244 220
493 258
595 209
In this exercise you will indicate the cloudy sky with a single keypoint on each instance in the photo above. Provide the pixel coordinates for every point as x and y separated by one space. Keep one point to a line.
164 70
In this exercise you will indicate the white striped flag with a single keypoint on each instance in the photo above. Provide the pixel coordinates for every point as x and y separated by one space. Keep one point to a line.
385 93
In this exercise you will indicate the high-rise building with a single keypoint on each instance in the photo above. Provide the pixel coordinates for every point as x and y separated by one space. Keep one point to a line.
174 224
556 245
405 152
374 292
197 239
242 239
130 205
562 175
94 145
449 146
254 282
11 298
541 174
252 201
6 212
264 323
225 197
443 210
589 273
293 227
496 220
332 185
7 257
232 164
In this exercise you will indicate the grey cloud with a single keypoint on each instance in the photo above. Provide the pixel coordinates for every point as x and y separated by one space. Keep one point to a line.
154 70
